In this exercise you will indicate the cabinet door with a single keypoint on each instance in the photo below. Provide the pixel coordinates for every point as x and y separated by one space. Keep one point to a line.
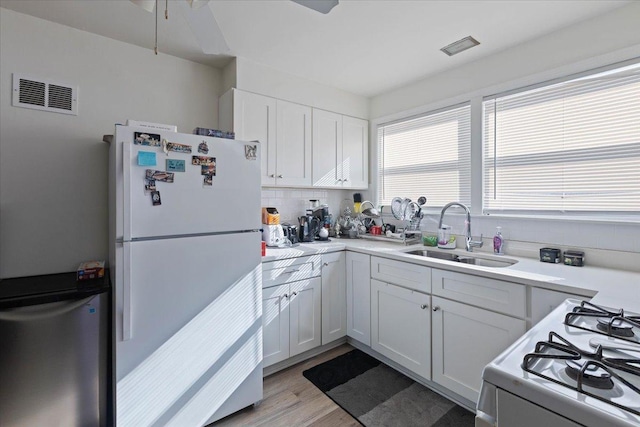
275 324
359 297
401 326
305 311
293 147
334 297
355 153
254 119
327 149
465 340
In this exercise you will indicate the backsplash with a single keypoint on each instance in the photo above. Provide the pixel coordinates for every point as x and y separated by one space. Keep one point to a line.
613 245
292 202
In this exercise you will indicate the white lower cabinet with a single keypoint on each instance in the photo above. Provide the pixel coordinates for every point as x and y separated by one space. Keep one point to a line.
465 340
275 324
291 319
334 297
359 297
401 326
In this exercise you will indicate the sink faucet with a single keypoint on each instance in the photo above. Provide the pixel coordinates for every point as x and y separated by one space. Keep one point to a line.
469 242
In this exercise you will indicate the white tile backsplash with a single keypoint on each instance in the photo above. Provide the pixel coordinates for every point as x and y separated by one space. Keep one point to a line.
292 203
547 232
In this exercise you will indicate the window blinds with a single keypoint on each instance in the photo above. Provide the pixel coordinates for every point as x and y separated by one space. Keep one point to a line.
426 156
572 146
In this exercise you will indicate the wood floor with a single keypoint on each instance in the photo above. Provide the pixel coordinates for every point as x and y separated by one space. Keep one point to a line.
291 400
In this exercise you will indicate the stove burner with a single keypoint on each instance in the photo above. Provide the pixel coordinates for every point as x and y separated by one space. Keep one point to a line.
614 326
591 374
586 368
590 317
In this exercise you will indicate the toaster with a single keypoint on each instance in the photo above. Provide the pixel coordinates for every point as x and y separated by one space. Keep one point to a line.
273 235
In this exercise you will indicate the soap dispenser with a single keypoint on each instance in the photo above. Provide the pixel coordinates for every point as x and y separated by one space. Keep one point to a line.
498 242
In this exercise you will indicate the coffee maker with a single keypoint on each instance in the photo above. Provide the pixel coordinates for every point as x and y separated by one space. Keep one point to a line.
309 227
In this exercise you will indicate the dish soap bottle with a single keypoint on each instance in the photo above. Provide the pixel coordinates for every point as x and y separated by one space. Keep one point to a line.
498 241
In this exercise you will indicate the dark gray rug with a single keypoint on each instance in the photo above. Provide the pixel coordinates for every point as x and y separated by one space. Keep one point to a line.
377 395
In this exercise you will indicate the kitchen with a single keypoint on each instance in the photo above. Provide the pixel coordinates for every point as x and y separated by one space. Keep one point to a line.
45 230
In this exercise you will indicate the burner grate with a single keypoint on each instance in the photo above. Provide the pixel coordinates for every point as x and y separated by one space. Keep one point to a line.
594 373
607 322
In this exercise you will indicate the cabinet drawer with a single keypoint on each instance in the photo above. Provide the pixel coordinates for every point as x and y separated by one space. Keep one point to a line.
289 270
412 276
496 295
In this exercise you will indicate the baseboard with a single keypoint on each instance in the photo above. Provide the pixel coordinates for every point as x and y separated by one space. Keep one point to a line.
276 367
448 394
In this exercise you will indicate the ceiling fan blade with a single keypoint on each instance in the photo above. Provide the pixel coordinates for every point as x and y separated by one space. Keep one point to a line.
147 5
205 28
322 6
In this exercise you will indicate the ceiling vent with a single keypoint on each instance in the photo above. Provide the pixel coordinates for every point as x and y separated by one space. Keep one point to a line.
462 44
40 94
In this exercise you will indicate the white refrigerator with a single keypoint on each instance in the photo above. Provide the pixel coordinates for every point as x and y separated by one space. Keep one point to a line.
186 269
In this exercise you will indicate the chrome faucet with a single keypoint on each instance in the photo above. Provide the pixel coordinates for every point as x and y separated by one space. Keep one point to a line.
469 242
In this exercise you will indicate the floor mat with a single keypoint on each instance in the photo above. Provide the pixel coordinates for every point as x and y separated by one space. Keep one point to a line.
377 395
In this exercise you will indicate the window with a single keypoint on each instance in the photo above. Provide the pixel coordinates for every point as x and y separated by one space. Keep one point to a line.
426 156
569 146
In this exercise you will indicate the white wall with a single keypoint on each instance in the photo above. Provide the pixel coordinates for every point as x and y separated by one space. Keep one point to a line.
547 57
600 41
53 167
257 78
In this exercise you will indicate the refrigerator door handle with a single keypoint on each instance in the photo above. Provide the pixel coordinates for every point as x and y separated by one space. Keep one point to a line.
126 292
126 183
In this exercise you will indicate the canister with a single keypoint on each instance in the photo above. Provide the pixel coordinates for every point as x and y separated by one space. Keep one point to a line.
574 258
550 255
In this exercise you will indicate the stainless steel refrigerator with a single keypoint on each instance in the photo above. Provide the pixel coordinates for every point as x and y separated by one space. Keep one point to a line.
186 265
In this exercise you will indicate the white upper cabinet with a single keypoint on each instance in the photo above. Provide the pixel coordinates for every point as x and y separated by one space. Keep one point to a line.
283 129
300 146
340 150
253 119
293 145
355 152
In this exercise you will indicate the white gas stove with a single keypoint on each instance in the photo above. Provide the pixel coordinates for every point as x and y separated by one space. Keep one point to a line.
579 366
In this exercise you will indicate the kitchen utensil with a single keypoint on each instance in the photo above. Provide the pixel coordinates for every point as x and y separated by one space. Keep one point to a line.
371 212
396 207
376 230
408 209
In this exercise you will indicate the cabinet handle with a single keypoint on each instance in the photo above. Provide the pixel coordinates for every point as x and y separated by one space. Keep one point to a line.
286 296
325 264
279 176
293 294
436 308
345 180
424 306
272 176
291 271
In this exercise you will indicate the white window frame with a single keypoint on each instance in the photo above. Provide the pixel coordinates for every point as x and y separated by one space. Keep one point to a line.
553 213
429 206
476 97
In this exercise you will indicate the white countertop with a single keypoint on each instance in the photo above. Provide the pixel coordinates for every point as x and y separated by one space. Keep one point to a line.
608 287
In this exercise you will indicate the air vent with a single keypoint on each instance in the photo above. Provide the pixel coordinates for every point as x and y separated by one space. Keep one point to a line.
40 94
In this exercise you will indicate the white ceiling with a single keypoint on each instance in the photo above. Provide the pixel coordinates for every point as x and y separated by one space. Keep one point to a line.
366 47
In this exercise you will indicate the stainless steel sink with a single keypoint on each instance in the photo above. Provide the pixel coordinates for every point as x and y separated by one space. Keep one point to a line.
465 259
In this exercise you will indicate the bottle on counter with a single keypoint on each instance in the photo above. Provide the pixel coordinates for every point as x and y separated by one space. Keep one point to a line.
498 242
